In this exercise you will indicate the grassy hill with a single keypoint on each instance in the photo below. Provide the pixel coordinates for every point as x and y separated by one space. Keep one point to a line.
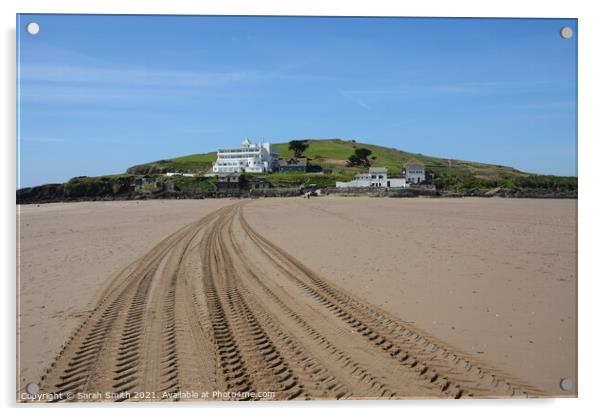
334 153
460 175
198 163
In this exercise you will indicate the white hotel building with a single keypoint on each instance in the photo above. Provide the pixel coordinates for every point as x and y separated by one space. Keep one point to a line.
250 157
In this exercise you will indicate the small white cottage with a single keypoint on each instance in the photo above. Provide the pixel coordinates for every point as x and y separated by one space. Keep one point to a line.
375 178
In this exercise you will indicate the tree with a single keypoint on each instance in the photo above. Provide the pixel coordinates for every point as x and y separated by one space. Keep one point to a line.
298 147
360 157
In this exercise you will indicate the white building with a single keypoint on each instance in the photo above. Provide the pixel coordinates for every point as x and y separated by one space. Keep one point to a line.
170 174
376 177
414 172
250 157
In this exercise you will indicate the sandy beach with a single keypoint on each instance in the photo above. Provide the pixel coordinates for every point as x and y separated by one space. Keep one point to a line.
323 298
494 277
69 252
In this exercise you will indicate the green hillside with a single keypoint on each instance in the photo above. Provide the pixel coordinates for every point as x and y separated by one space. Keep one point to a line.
198 163
334 153
458 177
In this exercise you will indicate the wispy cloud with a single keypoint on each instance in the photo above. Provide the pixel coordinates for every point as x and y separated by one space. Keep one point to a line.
88 94
33 139
128 76
562 105
363 96
451 89
502 83
355 99
42 139
89 84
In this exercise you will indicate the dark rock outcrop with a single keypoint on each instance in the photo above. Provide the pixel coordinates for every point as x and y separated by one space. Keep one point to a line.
122 188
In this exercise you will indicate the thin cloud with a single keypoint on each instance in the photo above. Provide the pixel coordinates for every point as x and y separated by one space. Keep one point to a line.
84 94
79 140
361 97
42 139
128 76
506 83
355 99
465 88
95 75
89 84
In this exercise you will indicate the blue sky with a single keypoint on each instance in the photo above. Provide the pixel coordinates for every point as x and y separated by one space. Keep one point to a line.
98 94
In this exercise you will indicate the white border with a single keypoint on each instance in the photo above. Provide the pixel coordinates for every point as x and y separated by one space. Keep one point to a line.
590 28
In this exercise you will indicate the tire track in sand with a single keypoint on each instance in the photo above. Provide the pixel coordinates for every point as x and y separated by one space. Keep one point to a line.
249 359
127 343
217 307
449 370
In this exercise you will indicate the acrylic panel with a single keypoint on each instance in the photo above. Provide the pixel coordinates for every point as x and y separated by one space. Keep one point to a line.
292 208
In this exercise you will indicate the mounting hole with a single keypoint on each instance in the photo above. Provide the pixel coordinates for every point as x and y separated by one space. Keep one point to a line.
566 32
32 28
566 384
32 388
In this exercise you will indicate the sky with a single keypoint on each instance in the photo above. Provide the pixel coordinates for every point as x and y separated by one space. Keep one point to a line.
97 94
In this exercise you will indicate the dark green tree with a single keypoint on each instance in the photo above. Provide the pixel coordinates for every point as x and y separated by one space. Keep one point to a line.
360 157
298 147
